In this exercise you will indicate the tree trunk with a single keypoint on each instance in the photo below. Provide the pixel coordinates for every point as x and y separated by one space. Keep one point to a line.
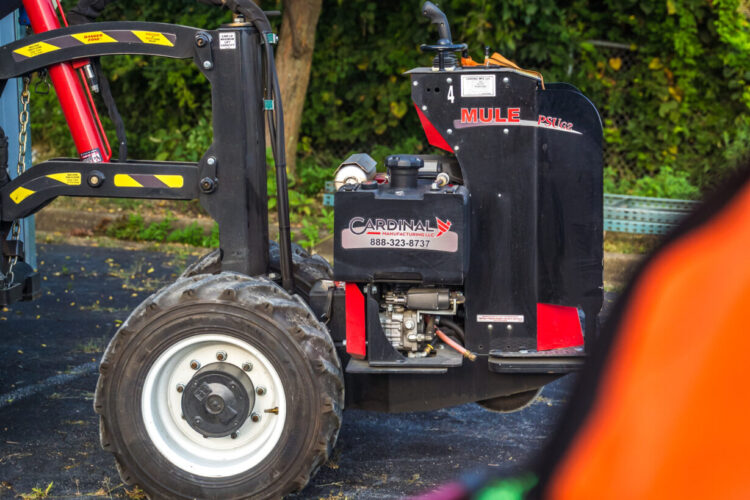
294 56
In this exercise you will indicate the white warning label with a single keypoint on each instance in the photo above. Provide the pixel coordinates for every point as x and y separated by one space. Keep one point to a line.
499 318
477 85
228 41
435 235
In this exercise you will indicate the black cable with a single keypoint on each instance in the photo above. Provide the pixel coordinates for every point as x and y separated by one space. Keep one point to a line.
456 329
112 111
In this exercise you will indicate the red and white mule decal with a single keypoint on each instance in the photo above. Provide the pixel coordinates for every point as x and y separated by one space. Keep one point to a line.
509 117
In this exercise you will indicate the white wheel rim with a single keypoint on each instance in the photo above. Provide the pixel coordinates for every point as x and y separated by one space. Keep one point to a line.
185 447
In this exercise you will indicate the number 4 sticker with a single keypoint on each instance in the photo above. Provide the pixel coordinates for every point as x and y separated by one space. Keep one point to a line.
451 97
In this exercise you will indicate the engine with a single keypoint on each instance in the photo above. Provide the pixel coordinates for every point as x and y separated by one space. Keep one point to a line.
408 317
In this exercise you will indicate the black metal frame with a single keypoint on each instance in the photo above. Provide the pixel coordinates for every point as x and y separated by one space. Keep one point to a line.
230 179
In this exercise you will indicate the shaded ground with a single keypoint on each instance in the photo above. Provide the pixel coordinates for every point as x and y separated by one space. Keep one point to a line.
49 353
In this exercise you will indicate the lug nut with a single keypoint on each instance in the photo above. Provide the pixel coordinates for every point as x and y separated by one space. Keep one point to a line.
261 390
180 387
255 417
247 366
207 185
194 364
221 355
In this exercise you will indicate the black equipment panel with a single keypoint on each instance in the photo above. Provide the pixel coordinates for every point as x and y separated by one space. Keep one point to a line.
531 159
401 234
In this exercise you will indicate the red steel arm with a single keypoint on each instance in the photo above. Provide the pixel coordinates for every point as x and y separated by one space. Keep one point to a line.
78 114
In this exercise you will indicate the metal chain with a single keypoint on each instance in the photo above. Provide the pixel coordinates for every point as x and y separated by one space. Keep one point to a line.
23 121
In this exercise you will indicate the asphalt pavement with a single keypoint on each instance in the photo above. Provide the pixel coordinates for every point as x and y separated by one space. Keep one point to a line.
49 354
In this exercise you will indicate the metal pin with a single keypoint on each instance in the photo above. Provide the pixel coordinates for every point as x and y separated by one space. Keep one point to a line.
275 411
247 366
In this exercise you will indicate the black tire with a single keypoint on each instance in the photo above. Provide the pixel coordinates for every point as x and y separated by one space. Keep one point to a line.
307 269
512 403
253 312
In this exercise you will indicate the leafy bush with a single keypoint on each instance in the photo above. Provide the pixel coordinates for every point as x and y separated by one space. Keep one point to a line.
686 94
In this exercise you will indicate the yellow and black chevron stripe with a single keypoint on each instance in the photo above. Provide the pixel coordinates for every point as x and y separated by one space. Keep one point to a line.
94 37
149 181
45 182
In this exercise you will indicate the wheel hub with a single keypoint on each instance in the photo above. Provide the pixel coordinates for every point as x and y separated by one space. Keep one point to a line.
217 400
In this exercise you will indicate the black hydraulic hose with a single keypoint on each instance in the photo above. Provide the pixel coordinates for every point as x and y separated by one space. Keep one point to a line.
454 326
282 189
114 113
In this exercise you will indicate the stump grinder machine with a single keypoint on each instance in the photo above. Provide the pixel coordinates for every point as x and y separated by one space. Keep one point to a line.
470 276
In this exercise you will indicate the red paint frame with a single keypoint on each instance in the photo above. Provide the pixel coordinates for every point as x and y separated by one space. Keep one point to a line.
70 92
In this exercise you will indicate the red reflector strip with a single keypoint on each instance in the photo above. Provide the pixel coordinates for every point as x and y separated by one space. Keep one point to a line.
557 327
433 136
356 341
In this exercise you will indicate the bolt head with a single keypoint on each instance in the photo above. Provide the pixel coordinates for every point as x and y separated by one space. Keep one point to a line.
424 108
211 161
247 366
506 80
449 80
261 390
416 83
509 327
234 435
208 65
200 41
255 417
221 356
194 364
197 421
450 131
455 148
506 131
180 387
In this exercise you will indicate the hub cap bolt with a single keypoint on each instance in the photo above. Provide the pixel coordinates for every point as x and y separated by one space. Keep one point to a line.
221 356
261 390
247 366
255 417
180 387
194 364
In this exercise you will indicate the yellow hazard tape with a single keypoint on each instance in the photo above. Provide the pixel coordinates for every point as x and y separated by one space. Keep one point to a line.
69 178
153 38
124 180
36 49
20 194
172 181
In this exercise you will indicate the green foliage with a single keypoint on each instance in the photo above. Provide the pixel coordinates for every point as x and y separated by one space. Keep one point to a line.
685 95
134 228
